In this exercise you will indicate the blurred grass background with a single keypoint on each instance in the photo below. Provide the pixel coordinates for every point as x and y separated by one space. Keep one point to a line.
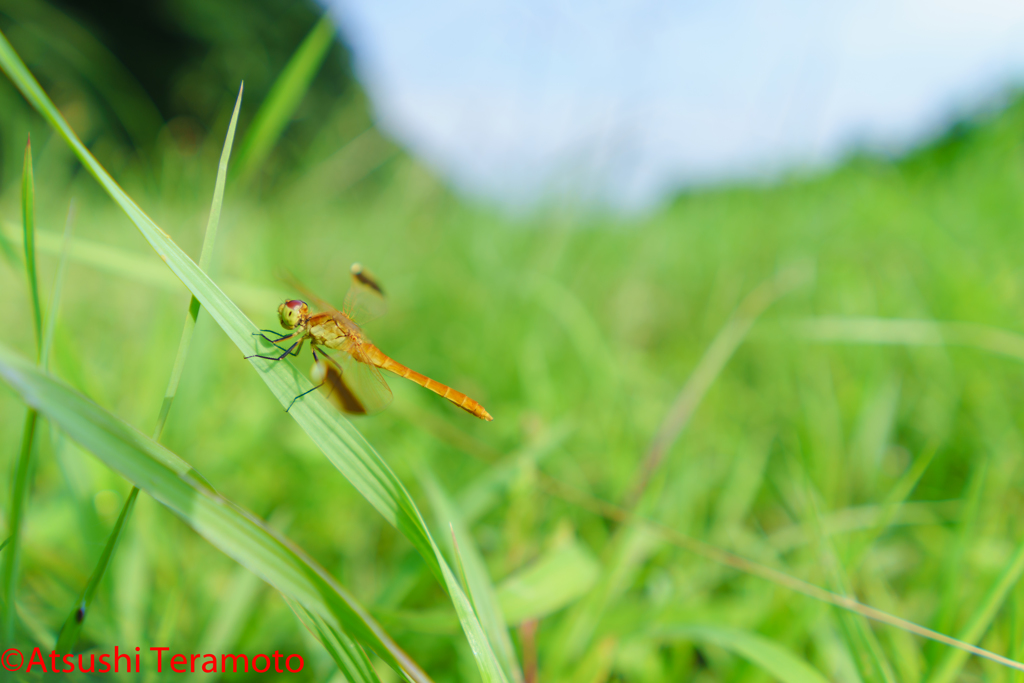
576 331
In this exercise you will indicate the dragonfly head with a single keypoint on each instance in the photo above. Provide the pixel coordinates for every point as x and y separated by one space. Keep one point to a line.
291 312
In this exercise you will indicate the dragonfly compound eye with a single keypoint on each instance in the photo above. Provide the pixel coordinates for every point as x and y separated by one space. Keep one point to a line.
290 312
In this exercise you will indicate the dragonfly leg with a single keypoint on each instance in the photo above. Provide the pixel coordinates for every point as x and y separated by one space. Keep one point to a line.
279 335
308 391
291 350
316 362
275 342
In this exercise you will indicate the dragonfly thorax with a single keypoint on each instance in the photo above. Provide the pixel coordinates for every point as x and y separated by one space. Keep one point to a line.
292 312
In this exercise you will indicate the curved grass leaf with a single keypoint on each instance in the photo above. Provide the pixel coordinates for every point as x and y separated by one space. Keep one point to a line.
132 265
205 256
9 568
28 214
284 97
345 652
170 481
72 626
343 445
478 582
19 493
73 623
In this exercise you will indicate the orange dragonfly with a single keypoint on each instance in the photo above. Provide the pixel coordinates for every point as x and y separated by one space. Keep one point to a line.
355 384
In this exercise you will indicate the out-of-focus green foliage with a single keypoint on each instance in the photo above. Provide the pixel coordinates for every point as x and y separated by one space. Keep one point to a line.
135 77
577 333
171 481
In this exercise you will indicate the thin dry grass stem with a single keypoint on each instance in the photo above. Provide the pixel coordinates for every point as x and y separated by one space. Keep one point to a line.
856 330
711 363
617 514
528 639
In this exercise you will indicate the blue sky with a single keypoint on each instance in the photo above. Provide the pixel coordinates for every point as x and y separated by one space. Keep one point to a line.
622 103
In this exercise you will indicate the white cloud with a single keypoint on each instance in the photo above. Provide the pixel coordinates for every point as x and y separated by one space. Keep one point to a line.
522 100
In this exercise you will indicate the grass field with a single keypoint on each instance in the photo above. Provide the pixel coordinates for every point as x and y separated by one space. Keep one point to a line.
699 415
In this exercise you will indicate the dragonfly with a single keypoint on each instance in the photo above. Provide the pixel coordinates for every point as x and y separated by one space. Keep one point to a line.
354 383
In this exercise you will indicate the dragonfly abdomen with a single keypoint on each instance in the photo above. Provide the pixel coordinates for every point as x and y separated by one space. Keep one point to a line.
456 397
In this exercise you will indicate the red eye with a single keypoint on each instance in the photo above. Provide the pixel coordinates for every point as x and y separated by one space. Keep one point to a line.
294 304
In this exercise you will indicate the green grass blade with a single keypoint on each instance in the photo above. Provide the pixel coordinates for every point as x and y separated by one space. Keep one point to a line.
132 266
478 583
483 494
950 584
28 216
343 445
772 658
205 255
863 648
7 240
284 98
237 534
949 667
863 645
73 623
9 569
213 223
629 548
68 635
19 493
346 653
490 668
891 505
630 544
711 364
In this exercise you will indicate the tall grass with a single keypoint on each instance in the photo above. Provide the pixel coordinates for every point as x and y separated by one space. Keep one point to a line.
20 482
353 456
856 445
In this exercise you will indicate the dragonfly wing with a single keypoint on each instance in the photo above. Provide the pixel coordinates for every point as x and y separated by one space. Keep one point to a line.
294 283
353 387
365 299
328 374
364 302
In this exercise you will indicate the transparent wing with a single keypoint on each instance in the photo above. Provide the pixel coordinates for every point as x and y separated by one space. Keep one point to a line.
308 295
353 387
365 299
364 302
